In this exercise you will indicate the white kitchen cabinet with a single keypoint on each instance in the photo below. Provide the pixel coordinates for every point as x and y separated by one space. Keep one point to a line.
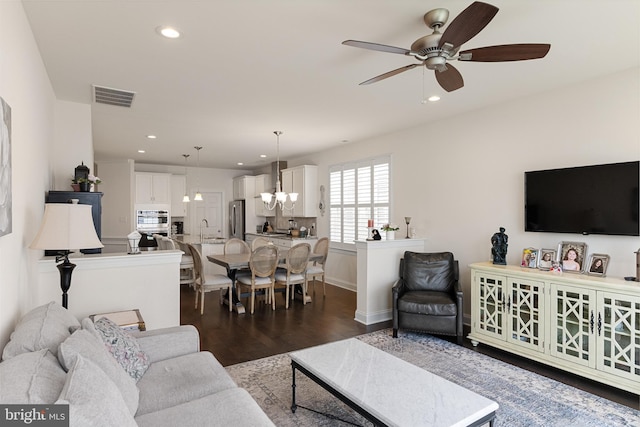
244 187
260 209
586 325
263 184
153 188
304 181
178 190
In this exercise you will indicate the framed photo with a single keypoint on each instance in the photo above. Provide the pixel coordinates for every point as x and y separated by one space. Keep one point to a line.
546 259
529 258
597 265
572 256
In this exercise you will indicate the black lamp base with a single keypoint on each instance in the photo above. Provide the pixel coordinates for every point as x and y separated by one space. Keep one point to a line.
65 268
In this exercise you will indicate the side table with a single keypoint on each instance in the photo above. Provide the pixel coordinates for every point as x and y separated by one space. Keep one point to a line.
129 320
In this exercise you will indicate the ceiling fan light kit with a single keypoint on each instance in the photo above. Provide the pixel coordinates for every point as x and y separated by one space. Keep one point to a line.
437 49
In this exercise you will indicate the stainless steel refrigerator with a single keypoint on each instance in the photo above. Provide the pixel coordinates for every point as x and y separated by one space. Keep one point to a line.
237 219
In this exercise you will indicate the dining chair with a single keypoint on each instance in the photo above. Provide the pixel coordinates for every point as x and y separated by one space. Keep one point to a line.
294 271
260 241
208 282
187 272
263 264
236 246
318 267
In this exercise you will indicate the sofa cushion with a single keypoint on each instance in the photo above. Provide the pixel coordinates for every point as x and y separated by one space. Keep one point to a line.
232 407
31 378
123 347
45 326
93 399
84 343
181 379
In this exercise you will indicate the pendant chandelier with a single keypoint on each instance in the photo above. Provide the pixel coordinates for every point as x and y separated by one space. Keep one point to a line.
279 197
198 196
185 199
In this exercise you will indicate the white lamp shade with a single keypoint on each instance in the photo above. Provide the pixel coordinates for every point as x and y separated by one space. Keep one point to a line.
266 197
66 227
281 196
293 196
198 197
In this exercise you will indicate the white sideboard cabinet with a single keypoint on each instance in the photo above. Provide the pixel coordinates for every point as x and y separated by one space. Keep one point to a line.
586 325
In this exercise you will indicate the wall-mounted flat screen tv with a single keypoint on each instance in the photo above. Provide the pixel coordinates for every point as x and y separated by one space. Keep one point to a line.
600 199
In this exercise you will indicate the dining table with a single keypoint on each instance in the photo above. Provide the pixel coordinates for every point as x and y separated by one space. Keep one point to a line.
235 262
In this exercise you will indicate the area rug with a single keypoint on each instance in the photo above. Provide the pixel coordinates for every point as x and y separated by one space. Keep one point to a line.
526 399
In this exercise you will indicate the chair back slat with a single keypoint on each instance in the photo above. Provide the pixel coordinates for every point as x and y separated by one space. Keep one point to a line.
260 241
298 258
264 261
236 246
197 261
322 247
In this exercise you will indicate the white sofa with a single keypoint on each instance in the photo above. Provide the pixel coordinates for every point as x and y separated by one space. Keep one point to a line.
153 378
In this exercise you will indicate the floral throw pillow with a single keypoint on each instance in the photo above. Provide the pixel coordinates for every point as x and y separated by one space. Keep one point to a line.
124 347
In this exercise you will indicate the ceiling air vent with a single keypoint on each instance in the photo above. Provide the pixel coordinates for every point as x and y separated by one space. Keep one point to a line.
110 96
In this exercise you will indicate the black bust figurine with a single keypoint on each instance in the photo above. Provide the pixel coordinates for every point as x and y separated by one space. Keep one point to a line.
499 247
376 235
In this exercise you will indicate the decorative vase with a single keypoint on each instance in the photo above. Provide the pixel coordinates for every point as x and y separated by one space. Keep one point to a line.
85 186
391 235
76 187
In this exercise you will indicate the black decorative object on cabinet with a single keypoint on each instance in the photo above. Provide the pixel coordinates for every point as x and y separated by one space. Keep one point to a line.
84 198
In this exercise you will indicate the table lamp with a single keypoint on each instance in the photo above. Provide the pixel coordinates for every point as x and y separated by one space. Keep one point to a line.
64 228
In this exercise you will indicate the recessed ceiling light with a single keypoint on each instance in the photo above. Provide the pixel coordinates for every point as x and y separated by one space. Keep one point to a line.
434 98
239 163
151 137
141 151
263 156
168 32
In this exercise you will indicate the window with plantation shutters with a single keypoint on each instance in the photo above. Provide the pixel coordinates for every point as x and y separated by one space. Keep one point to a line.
358 192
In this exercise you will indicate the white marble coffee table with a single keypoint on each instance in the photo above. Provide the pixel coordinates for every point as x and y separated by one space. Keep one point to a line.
387 390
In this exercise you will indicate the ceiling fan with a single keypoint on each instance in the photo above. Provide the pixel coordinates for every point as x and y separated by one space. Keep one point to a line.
435 50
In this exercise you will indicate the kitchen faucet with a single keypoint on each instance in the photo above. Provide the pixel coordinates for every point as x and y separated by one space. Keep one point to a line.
207 225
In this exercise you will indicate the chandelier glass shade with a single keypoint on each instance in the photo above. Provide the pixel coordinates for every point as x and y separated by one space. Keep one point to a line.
278 197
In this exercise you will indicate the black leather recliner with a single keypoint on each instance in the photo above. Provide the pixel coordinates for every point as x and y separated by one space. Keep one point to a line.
428 296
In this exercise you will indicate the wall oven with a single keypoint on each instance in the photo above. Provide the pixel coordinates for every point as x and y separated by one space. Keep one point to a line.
152 221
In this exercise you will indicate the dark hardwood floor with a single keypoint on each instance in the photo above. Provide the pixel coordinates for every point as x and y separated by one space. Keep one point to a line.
234 338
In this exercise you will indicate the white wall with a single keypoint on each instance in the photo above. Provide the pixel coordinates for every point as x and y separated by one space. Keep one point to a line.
463 178
25 86
73 142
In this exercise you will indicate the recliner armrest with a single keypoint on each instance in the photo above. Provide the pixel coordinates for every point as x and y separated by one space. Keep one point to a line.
167 343
398 287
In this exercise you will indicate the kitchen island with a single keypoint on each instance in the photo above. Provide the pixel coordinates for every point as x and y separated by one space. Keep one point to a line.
281 240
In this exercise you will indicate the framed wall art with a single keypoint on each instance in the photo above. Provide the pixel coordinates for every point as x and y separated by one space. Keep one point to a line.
5 169
529 258
572 256
597 265
546 259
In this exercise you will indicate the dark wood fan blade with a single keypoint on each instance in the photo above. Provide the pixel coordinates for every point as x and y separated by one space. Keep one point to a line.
450 79
469 23
375 46
507 52
389 74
